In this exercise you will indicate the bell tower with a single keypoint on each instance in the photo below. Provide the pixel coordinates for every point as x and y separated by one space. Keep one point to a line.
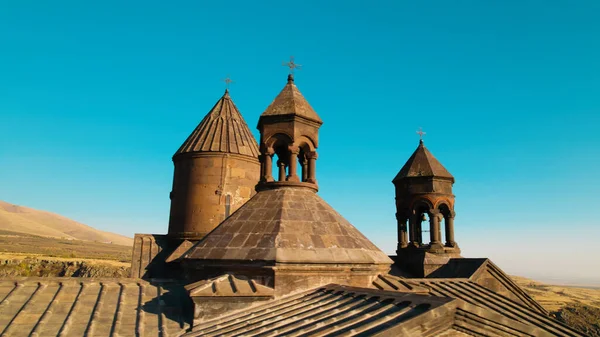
424 193
289 137
216 170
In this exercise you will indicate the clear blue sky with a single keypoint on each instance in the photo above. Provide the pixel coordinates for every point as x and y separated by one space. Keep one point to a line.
96 97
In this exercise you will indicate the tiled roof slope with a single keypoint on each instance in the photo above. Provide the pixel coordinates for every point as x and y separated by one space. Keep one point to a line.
223 129
478 270
489 268
288 224
91 307
291 102
473 294
337 311
422 164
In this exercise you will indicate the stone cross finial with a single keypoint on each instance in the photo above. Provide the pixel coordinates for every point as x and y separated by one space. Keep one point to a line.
292 65
421 133
227 81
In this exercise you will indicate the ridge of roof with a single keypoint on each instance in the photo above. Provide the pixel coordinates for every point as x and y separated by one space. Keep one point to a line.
228 285
335 309
475 294
508 283
422 164
290 101
223 129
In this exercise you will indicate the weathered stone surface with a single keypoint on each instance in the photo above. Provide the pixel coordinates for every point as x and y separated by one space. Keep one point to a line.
216 170
223 129
92 307
498 308
335 311
228 286
348 311
422 164
291 225
148 256
291 101
224 294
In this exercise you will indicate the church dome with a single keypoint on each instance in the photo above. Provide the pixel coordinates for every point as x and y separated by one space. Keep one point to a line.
223 129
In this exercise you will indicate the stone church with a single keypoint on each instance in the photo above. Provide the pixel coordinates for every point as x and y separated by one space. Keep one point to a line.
253 250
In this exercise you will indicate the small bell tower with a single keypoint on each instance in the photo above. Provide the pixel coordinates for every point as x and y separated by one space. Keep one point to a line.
424 193
289 132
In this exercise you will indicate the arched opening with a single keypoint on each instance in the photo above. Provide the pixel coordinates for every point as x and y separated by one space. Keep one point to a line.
420 225
280 162
275 157
447 226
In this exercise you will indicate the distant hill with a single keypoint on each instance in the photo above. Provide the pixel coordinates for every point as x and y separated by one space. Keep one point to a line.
577 307
27 220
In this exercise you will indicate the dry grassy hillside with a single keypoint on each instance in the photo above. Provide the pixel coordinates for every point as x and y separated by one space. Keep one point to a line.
575 306
26 220
554 297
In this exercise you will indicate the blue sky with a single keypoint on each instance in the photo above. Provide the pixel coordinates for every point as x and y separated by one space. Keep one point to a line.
96 97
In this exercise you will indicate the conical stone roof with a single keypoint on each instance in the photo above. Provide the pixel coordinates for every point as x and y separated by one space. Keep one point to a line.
291 102
422 164
288 225
223 129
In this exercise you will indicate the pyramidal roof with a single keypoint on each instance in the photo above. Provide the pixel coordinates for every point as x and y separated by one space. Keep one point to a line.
223 129
291 102
422 164
288 225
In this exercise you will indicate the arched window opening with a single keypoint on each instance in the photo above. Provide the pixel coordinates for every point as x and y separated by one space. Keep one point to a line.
227 205
421 224
424 228
281 163
448 225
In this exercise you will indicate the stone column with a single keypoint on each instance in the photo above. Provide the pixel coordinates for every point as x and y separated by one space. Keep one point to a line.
434 224
312 167
411 230
450 230
434 221
304 168
267 165
281 166
402 233
293 164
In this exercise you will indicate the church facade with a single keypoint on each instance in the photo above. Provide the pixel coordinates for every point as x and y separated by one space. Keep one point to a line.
253 250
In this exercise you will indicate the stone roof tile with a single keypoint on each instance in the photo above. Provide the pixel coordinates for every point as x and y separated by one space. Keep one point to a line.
38 306
290 101
422 164
269 227
223 129
475 295
228 286
335 311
